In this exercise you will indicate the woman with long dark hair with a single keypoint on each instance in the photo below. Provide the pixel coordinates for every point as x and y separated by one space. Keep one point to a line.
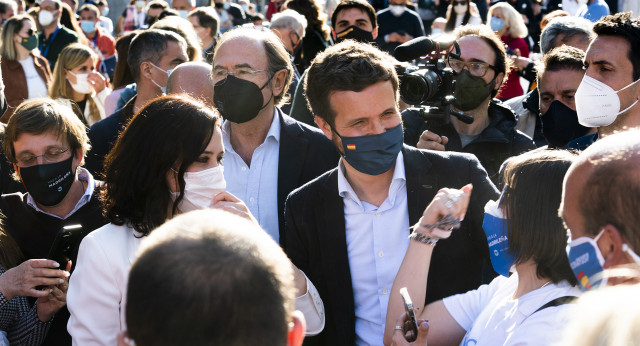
316 37
461 13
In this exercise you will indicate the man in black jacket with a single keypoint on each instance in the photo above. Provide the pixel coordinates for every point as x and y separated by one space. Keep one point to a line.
347 230
492 136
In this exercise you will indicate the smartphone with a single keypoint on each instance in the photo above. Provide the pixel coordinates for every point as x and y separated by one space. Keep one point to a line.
411 315
64 245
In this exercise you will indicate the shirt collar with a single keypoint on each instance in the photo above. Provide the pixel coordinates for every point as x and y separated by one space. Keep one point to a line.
274 130
399 178
83 175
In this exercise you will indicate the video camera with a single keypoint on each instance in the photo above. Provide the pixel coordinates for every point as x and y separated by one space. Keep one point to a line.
430 84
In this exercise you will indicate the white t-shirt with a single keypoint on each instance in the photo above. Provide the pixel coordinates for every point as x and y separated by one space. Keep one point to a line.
491 317
35 84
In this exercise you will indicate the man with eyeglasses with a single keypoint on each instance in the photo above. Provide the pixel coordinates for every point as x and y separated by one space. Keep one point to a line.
492 137
46 143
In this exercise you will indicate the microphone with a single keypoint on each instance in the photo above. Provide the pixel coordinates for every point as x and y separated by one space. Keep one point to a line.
419 47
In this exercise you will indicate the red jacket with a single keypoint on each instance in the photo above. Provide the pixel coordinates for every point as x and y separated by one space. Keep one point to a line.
102 43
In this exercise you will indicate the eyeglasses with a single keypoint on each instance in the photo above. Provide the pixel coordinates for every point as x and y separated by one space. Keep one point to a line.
51 156
475 68
241 72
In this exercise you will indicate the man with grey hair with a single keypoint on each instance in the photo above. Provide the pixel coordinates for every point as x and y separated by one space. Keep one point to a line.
245 298
290 27
600 202
570 31
268 154
192 78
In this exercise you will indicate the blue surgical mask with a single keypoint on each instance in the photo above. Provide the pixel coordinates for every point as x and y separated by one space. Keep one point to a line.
87 26
495 228
496 24
374 154
587 261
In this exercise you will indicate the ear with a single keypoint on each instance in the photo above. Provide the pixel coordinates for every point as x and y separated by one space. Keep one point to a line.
499 79
375 33
145 70
610 244
79 155
278 82
324 126
296 330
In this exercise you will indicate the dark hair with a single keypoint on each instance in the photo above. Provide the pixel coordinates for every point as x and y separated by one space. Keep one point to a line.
451 19
208 18
91 8
212 278
533 195
37 116
561 58
310 10
277 56
173 130
149 45
484 32
5 4
627 27
158 5
122 74
68 19
362 5
168 12
348 65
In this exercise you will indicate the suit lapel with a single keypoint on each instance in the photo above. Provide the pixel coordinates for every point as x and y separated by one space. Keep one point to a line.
422 183
292 151
333 250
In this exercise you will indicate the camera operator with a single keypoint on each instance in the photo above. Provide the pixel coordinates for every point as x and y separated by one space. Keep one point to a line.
480 71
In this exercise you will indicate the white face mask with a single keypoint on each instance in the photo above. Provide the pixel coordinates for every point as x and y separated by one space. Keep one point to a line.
200 188
396 10
460 9
82 83
183 13
582 2
45 17
168 72
598 104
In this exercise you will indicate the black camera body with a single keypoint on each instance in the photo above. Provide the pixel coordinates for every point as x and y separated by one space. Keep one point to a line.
429 86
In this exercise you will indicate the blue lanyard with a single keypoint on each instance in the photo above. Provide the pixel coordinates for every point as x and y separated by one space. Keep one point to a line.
49 42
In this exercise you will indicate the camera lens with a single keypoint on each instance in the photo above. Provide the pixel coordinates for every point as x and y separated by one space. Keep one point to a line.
419 87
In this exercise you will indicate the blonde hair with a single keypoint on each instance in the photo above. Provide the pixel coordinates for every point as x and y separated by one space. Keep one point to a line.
512 20
12 27
71 57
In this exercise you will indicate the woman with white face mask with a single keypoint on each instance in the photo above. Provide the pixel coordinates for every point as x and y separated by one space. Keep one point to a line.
75 78
461 12
167 161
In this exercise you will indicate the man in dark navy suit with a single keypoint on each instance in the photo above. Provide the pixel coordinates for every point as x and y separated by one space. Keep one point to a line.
348 229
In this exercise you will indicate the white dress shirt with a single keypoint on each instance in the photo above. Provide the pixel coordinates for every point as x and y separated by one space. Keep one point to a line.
256 185
377 240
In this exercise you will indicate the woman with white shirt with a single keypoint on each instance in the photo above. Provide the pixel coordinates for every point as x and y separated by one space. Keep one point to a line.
524 232
167 161
24 71
461 12
75 78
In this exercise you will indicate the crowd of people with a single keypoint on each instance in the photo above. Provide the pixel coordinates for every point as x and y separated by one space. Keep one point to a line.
249 173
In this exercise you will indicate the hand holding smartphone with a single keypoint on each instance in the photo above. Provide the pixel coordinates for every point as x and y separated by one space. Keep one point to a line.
410 322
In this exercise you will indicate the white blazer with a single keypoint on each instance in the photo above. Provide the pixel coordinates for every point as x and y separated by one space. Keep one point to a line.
97 289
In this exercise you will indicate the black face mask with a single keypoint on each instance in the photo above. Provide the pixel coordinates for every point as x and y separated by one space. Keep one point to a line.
560 125
219 5
355 33
48 184
239 100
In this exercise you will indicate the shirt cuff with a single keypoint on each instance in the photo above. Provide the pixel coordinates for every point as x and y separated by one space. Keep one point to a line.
310 304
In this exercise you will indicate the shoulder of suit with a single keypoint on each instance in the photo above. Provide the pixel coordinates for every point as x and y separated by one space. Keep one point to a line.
438 156
312 189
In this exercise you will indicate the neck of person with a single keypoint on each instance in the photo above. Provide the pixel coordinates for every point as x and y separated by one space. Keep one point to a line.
528 279
69 201
48 30
480 122
206 42
91 35
373 189
78 97
147 91
248 136
23 53
629 119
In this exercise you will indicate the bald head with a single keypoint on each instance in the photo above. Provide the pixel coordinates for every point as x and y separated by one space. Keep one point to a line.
192 78
602 189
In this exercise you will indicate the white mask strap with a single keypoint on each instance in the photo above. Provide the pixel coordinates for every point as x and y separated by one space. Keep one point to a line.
626 109
631 253
628 86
